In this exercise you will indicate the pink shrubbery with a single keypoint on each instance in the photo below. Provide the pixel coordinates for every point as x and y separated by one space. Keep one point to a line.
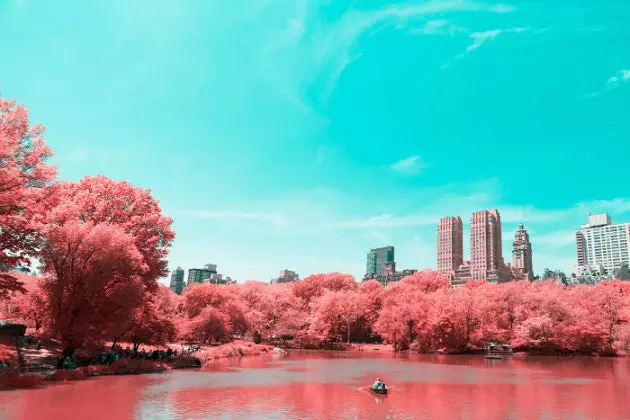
14 380
130 366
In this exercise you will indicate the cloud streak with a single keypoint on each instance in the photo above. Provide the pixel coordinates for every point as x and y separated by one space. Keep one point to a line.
237 215
322 51
412 165
481 38
613 82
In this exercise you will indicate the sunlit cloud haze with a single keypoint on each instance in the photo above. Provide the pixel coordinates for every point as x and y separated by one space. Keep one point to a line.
300 134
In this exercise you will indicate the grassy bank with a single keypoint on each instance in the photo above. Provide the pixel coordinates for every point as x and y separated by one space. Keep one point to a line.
13 379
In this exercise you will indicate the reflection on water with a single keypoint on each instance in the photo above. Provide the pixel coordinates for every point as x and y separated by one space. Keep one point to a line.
326 385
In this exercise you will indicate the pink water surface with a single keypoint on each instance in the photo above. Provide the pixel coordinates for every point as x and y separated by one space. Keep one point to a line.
326 385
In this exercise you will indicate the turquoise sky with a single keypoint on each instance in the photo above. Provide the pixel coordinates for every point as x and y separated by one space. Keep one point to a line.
299 134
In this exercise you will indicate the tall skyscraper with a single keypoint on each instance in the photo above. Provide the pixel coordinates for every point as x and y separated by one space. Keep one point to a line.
376 260
522 252
486 254
177 280
450 246
601 244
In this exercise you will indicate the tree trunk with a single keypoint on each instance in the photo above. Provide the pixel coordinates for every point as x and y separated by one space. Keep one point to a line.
348 323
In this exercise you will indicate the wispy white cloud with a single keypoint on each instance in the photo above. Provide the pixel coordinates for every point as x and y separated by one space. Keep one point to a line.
481 38
558 238
236 215
326 218
323 51
78 155
529 214
622 75
617 205
437 27
613 82
411 166
97 154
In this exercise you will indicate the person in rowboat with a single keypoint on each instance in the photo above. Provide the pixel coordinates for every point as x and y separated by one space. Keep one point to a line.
379 384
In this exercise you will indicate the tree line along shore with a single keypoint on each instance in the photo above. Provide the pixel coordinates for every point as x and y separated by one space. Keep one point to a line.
101 246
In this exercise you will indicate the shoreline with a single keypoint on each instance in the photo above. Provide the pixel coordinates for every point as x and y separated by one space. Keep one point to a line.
388 349
13 379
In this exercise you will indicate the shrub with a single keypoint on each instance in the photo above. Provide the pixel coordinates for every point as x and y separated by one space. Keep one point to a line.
126 366
14 380
69 375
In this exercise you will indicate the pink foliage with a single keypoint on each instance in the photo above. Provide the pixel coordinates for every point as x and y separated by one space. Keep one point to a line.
315 285
29 307
94 276
24 177
15 380
210 326
427 281
100 200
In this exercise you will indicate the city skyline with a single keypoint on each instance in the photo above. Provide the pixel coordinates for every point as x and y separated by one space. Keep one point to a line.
302 134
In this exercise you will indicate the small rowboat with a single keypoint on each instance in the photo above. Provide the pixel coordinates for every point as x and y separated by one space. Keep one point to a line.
379 390
493 356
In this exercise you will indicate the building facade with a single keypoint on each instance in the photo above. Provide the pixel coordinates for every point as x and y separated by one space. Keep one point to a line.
602 245
486 245
201 275
286 276
522 253
177 280
389 276
450 246
377 259
486 251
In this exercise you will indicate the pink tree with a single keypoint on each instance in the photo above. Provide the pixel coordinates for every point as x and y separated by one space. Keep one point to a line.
334 314
427 281
315 285
152 322
94 276
98 200
405 315
24 177
30 307
211 325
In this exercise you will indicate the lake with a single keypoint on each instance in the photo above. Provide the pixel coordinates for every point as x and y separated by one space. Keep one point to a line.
327 385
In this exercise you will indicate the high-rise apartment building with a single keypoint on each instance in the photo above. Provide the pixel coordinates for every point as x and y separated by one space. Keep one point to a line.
376 260
580 242
450 246
177 280
522 253
602 244
200 275
486 253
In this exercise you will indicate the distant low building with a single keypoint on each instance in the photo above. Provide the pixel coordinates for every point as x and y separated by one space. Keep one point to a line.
586 274
390 276
207 274
200 275
286 276
556 275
